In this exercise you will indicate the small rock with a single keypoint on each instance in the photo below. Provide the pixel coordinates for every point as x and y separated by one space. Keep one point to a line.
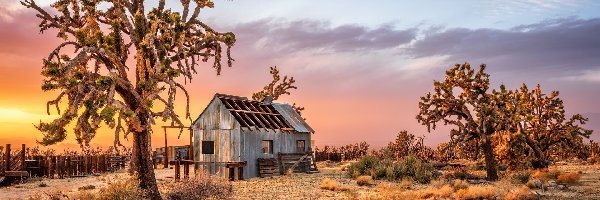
552 183
561 187
537 183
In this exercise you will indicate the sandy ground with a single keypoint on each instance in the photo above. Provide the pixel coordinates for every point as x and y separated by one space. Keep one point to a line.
36 186
295 186
587 188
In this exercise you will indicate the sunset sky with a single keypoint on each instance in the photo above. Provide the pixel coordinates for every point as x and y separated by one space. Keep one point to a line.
360 66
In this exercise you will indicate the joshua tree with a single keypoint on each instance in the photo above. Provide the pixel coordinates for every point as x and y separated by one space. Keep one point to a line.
463 101
275 89
99 85
538 121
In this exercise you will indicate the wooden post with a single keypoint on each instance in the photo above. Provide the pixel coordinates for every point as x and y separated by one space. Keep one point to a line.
51 161
68 167
186 169
177 171
191 149
166 157
7 158
240 172
231 173
59 166
23 167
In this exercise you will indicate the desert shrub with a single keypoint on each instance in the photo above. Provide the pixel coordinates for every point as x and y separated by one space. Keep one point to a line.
553 174
407 167
328 184
201 187
416 169
535 183
363 166
475 192
521 193
124 189
568 178
87 187
522 176
458 184
478 167
462 174
500 167
364 180
42 184
542 175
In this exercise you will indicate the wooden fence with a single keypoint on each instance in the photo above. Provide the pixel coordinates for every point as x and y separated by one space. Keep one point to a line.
16 163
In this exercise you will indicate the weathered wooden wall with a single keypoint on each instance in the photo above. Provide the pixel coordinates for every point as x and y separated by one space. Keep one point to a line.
217 124
284 142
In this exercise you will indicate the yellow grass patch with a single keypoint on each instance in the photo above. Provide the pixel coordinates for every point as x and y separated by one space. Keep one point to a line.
364 180
328 184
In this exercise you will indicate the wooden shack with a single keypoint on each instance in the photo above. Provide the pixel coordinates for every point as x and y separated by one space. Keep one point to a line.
234 129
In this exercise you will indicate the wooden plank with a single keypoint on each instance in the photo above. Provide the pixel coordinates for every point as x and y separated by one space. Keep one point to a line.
16 173
23 166
253 112
7 158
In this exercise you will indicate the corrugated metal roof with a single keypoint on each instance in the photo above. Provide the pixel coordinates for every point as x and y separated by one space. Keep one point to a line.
292 117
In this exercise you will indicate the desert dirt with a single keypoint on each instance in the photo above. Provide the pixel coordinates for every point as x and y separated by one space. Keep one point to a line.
300 185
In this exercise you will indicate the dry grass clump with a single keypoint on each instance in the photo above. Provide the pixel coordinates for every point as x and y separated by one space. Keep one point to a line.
524 176
458 184
476 192
389 191
553 174
406 183
87 187
434 193
124 189
461 173
201 187
364 180
542 175
568 178
83 195
328 184
521 193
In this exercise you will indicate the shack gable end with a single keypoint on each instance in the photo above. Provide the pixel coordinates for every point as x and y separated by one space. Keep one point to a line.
215 116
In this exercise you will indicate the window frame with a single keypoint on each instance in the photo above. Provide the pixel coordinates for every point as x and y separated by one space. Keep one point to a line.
298 150
210 143
269 147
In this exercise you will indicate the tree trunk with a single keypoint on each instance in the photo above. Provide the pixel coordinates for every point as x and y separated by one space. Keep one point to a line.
143 165
540 158
490 162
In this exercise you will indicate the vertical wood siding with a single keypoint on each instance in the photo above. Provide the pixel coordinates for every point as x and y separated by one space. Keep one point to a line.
216 124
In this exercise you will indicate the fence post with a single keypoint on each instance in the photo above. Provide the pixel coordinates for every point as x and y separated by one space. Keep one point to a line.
7 158
186 169
23 167
177 171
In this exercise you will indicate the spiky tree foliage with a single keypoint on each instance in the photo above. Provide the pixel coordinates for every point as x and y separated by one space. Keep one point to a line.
94 80
463 101
407 144
538 121
402 145
275 89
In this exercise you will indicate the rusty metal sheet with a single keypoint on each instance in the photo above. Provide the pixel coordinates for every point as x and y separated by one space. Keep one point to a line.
293 118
